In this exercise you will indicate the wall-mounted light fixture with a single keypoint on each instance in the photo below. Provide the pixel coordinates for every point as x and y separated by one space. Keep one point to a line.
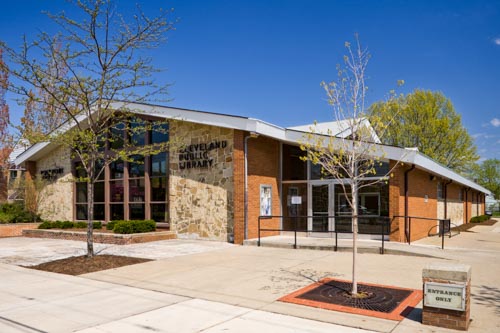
432 177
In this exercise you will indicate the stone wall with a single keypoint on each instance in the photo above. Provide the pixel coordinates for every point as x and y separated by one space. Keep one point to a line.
201 186
56 201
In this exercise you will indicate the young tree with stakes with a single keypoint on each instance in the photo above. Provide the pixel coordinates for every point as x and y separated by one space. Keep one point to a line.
352 161
101 60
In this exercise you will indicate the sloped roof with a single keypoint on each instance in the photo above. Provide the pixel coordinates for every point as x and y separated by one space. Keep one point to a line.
341 129
293 135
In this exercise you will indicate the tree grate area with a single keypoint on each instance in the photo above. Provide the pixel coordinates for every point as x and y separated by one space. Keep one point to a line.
374 298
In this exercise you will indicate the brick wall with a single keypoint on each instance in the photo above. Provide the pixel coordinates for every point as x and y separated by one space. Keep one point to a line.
263 169
239 186
105 238
16 229
422 202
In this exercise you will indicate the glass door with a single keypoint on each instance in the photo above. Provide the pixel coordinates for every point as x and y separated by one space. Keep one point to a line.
320 207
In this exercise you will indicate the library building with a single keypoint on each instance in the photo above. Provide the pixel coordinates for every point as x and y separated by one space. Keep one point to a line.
229 172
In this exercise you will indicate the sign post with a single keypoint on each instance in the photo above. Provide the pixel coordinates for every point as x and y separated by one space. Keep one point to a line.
446 295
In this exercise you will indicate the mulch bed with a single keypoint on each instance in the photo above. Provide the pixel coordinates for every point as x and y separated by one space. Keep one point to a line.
467 226
82 264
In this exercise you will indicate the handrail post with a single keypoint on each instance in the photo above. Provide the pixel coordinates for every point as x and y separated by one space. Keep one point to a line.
295 232
409 231
383 238
258 241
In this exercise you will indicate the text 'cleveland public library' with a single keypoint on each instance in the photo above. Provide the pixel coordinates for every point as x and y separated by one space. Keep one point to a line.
230 170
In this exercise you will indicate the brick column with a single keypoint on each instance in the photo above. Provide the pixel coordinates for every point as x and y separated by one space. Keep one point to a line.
444 285
239 187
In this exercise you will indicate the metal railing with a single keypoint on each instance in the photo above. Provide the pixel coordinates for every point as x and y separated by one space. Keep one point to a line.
444 226
376 225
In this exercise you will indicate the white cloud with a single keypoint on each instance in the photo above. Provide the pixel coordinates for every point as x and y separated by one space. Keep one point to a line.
495 121
496 41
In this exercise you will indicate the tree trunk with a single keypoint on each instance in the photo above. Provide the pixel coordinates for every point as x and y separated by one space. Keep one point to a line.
90 217
354 193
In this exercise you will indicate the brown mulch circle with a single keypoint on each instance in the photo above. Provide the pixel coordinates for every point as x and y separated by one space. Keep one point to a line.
467 226
82 264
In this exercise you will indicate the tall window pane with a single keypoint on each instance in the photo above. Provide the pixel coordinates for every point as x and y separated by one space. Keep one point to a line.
136 168
159 165
159 133
116 189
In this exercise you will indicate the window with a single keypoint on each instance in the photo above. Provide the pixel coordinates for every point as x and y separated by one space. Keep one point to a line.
137 132
440 194
293 167
122 189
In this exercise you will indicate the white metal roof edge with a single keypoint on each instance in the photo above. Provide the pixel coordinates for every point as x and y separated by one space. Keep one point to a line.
409 156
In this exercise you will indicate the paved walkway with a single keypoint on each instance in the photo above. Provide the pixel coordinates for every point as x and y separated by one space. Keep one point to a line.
213 287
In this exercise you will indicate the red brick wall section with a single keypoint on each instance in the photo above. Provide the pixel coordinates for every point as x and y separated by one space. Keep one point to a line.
239 186
16 229
420 186
263 169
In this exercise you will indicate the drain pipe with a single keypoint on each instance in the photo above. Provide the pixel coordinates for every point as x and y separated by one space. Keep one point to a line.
466 205
407 223
252 135
446 198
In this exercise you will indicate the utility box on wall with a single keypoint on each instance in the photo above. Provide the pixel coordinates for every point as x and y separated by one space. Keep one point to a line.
446 295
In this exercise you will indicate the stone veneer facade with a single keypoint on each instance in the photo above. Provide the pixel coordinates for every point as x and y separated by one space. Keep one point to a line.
201 201
57 197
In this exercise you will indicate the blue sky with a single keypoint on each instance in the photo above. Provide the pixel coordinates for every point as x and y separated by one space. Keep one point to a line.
266 59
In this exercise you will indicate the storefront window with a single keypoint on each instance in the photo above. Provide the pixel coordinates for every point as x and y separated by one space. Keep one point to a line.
159 212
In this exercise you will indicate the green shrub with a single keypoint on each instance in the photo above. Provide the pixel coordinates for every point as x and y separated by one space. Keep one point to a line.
81 225
111 224
97 225
67 225
15 213
134 226
479 219
123 227
45 225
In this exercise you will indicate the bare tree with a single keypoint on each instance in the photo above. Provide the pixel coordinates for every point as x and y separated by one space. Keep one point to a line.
352 160
5 137
100 59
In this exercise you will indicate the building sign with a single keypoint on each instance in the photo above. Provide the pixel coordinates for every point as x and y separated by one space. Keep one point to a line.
444 296
51 174
296 200
197 156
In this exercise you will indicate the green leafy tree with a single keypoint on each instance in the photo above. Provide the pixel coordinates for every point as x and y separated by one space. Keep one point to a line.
488 175
104 60
352 160
427 120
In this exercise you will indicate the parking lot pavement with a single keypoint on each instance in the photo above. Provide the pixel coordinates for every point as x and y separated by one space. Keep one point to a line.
24 251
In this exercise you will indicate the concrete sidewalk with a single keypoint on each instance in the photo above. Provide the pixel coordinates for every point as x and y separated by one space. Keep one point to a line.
212 287
36 301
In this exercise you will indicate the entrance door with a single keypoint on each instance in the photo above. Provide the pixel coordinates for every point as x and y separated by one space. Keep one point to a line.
320 207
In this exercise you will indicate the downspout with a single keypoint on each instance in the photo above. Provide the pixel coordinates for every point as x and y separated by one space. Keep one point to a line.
466 205
407 223
446 198
245 209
